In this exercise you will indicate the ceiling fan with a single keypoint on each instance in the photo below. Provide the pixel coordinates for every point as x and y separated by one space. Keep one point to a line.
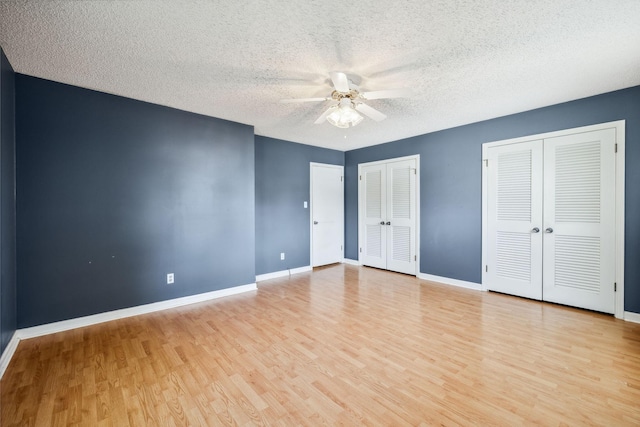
349 102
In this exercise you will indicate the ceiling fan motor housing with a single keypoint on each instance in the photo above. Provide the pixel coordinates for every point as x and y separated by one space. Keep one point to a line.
352 94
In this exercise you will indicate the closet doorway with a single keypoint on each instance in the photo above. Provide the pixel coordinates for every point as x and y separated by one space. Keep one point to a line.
553 217
388 200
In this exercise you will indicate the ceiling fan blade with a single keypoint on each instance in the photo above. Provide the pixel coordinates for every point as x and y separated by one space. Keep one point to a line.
370 112
340 82
324 115
391 93
291 101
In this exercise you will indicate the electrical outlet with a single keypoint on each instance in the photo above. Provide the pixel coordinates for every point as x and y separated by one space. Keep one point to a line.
281 256
170 278
305 205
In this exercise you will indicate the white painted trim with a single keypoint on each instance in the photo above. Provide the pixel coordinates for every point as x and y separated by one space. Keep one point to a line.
324 165
417 189
80 322
417 157
8 352
274 275
300 269
620 216
632 317
282 273
395 159
563 132
450 281
351 261
619 126
485 220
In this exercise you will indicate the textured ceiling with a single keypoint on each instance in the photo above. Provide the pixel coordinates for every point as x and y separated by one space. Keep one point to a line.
465 61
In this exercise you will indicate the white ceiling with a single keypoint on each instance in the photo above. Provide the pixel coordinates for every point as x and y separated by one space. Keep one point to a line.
465 60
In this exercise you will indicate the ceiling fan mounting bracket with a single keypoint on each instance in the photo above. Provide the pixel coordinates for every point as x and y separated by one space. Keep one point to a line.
352 94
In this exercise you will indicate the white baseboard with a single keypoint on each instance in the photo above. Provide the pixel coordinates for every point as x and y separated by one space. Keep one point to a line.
80 322
630 316
283 273
301 269
351 261
7 354
449 281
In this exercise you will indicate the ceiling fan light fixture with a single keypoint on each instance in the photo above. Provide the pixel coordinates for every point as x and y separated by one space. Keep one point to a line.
344 116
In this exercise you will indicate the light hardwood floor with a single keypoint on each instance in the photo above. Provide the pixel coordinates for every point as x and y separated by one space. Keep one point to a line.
342 345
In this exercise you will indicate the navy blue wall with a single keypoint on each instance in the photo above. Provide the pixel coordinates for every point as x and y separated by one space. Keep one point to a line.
7 203
451 177
114 193
282 186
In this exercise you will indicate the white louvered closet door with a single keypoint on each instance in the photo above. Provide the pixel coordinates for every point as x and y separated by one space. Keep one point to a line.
373 248
579 238
388 215
515 219
401 221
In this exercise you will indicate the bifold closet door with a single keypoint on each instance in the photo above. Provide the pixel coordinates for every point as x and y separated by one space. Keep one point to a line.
374 245
388 221
401 216
515 219
579 220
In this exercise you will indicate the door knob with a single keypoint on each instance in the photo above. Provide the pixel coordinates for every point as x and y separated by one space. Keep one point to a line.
388 222
381 222
535 230
549 230
315 222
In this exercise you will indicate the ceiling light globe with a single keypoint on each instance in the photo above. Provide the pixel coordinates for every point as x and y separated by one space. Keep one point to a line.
344 116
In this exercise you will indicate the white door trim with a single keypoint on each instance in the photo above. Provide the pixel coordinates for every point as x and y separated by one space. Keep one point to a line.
619 127
417 189
323 165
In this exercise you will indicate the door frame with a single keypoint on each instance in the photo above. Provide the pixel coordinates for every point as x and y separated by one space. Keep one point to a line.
619 127
361 204
322 165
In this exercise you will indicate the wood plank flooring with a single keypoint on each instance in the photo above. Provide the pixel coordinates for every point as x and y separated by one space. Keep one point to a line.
342 345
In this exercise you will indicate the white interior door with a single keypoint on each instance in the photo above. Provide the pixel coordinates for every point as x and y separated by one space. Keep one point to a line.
400 222
579 215
515 219
373 216
327 214
388 215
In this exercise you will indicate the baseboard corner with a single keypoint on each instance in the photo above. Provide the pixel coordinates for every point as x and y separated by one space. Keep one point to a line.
8 352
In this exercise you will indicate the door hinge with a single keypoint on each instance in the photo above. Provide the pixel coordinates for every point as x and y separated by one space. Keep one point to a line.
360 250
486 162
341 179
415 257
616 147
360 177
340 247
486 268
615 287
